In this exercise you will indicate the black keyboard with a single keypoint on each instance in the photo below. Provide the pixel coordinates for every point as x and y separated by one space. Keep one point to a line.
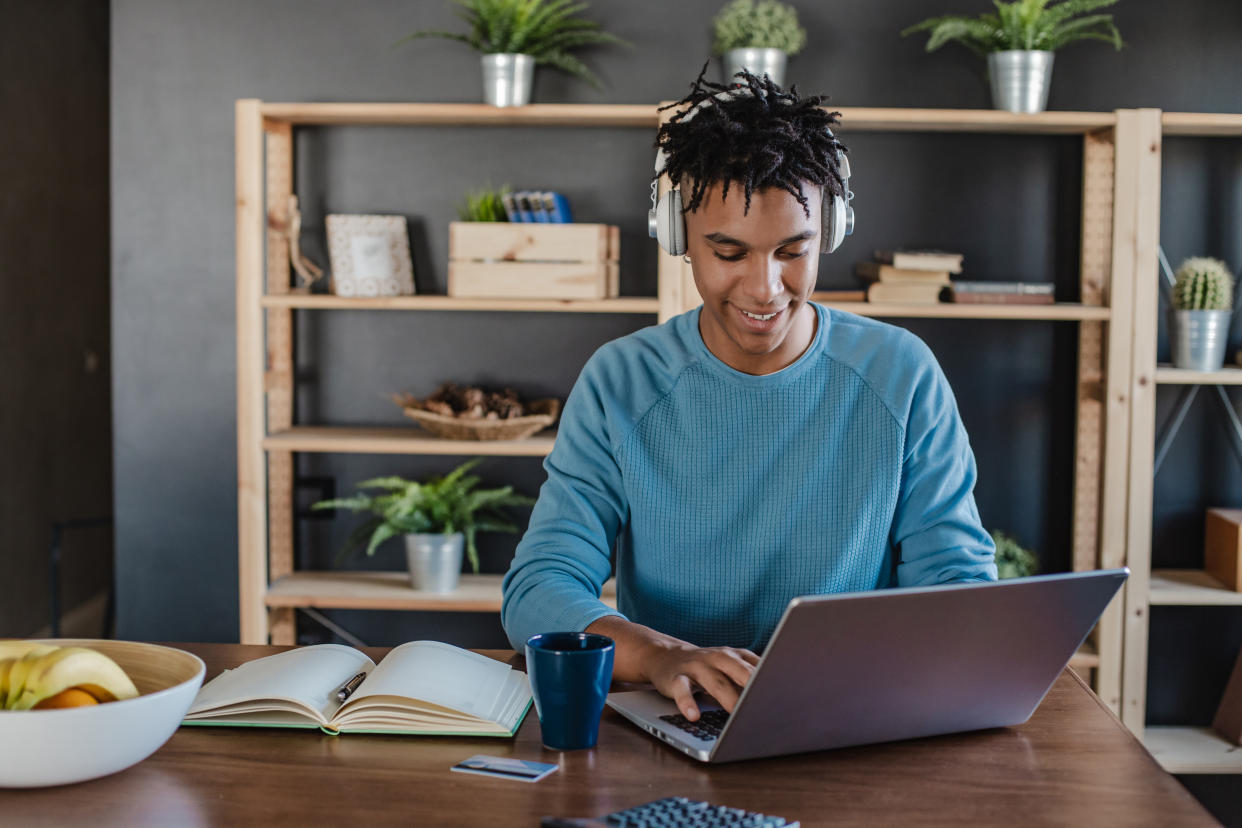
708 727
675 811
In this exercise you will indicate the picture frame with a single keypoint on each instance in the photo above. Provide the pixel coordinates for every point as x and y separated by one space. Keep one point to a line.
369 255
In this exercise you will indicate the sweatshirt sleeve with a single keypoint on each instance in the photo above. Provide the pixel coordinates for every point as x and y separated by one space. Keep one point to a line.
564 558
936 530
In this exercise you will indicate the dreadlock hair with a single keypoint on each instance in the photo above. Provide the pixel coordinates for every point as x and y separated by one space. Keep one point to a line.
767 138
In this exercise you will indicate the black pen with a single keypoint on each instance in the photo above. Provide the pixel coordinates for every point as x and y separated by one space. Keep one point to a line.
350 686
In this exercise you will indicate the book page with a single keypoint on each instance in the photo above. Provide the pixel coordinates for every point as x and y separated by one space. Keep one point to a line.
439 674
305 679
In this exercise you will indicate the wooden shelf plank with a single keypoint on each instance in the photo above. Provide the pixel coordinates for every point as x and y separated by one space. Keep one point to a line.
390 591
972 120
397 440
1168 375
645 115
624 304
476 593
1201 123
1059 312
1192 750
463 114
1189 587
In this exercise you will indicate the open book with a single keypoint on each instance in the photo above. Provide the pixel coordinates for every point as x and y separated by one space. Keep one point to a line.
423 687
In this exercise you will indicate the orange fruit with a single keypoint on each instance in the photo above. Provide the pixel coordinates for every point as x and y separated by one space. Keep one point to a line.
73 697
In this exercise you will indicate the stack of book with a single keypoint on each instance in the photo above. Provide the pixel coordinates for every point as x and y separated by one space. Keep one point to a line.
1003 293
537 207
914 277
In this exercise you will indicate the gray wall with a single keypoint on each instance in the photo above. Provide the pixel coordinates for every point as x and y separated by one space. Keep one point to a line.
55 411
1011 203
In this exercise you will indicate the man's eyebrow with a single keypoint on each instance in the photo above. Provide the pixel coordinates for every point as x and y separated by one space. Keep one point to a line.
721 238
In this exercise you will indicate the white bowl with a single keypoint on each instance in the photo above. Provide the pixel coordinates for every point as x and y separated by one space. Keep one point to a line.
56 747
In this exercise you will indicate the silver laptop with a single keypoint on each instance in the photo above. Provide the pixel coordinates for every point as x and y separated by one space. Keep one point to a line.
865 667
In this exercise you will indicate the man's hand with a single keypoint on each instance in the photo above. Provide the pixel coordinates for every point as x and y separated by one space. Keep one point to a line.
675 667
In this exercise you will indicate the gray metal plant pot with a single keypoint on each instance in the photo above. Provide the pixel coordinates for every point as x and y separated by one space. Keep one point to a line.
434 561
1198 338
756 61
1020 80
507 79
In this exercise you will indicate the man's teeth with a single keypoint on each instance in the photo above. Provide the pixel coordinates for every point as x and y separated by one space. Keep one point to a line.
762 317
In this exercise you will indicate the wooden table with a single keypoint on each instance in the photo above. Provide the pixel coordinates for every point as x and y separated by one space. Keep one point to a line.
1072 763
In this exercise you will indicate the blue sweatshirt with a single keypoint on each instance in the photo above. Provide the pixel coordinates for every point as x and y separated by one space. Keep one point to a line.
725 495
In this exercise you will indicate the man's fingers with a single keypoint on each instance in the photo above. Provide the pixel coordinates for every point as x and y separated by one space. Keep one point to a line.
682 695
733 665
749 657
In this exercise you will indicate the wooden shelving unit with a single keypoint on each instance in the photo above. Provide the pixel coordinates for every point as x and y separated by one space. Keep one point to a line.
411 440
271 590
1179 749
1060 312
390 591
625 304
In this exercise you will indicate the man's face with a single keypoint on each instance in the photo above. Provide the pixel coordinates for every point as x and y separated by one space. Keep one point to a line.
755 273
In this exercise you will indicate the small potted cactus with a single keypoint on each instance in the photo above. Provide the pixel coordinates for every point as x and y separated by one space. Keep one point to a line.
1202 308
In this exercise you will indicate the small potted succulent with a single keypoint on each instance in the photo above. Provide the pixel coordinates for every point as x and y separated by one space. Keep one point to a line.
1012 559
757 35
437 518
514 36
1199 320
1019 42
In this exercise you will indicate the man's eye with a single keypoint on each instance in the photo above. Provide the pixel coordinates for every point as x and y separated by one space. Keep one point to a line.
793 254
736 257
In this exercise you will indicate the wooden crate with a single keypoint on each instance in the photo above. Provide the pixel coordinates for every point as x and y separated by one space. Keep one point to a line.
1222 553
499 260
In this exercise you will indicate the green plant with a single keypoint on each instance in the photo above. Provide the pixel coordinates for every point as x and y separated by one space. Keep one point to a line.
1023 24
484 205
757 24
544 29
1012 560
1202 283
442 505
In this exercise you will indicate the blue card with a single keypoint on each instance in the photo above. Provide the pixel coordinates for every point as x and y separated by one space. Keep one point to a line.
504 767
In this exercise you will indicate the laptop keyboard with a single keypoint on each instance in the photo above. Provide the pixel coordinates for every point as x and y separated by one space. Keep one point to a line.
708 727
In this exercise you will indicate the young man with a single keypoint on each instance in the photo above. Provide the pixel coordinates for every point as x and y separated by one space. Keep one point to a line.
755 449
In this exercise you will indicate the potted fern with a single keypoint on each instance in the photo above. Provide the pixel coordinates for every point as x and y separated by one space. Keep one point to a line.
1013 560
1199 320
436 518
1019 42
487 204
757 35
514 36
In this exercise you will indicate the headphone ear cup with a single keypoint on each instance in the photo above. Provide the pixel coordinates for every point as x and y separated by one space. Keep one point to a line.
833 229
671 223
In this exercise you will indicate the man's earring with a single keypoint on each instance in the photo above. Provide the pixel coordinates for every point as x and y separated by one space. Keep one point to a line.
686 258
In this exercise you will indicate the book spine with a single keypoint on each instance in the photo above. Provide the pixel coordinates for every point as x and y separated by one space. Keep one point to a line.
557 207
510 204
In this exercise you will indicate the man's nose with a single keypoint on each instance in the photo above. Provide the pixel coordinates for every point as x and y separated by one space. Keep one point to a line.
763 280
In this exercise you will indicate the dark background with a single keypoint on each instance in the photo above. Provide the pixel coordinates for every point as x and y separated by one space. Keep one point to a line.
1010 203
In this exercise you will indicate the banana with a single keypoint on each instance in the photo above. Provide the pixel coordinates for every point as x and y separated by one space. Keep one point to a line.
13 648
20 669
69 667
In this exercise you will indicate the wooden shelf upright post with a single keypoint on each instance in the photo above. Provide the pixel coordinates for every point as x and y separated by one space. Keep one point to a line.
251 464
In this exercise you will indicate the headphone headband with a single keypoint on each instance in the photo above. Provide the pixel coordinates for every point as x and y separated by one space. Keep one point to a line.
666 220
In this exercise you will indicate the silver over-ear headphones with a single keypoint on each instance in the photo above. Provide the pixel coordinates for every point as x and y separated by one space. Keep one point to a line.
666 223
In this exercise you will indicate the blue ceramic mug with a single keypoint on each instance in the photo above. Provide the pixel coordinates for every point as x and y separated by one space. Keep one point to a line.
569 676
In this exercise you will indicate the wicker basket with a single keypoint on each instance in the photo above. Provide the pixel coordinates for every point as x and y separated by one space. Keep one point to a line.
515 428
